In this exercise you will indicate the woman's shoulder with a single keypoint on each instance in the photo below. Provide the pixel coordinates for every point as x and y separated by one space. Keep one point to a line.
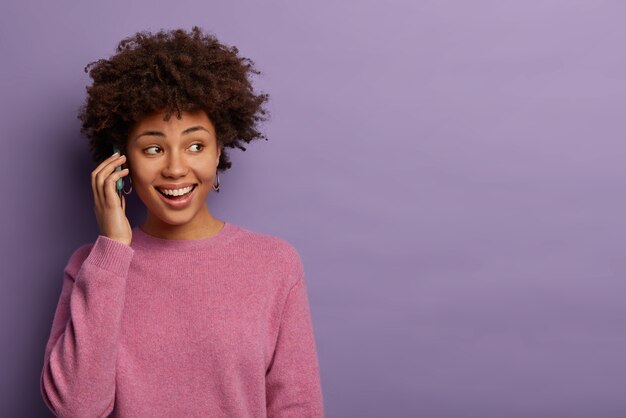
262 241
264 246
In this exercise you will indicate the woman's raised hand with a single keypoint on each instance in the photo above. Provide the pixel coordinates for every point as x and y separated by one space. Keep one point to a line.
111 215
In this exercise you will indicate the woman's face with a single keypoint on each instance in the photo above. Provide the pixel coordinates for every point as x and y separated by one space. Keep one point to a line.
174 157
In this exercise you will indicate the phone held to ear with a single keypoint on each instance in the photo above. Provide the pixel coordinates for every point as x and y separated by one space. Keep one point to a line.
119 184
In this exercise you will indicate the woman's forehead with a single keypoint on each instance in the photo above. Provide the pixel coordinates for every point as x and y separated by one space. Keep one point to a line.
189 121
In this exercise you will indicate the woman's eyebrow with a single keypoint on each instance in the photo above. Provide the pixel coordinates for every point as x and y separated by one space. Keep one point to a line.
150 133
194 129
161 134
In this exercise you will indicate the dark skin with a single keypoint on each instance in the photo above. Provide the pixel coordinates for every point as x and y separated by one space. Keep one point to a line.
177 154
111 216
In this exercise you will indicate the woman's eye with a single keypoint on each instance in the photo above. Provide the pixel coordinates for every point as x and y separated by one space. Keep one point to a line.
149 150
198 145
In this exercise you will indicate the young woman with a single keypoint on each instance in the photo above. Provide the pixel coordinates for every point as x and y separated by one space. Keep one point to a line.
185 315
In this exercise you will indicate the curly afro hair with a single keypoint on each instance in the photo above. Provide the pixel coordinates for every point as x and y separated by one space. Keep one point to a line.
172 71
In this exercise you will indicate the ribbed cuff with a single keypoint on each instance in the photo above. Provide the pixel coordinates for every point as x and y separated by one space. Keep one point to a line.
111 255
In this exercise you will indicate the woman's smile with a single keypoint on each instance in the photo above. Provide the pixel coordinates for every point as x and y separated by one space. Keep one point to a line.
178 198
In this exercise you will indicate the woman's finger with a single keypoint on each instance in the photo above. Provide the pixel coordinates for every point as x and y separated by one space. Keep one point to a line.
98 169
103 174
115 156
111 196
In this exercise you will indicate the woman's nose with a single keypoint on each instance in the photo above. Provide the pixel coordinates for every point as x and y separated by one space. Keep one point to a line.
175 165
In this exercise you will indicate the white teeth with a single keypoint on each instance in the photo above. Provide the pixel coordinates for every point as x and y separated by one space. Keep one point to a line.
176 192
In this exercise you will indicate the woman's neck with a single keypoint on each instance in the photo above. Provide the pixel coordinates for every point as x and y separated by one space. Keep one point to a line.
203 226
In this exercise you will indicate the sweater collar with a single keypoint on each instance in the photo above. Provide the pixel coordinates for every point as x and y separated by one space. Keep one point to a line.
143 240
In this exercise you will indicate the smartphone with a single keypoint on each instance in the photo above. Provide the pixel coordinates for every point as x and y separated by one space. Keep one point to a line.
119 184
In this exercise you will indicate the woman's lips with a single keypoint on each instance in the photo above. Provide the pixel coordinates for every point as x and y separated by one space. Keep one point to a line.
181 202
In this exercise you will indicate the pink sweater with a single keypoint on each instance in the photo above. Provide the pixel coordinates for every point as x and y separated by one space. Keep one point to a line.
217 327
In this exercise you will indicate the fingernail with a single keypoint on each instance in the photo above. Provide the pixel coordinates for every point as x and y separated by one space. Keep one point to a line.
115 153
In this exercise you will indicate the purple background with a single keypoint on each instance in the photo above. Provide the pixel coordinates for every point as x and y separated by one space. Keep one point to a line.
451 172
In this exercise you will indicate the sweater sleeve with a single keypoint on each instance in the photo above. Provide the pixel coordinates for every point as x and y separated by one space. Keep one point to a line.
78 375
293 387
